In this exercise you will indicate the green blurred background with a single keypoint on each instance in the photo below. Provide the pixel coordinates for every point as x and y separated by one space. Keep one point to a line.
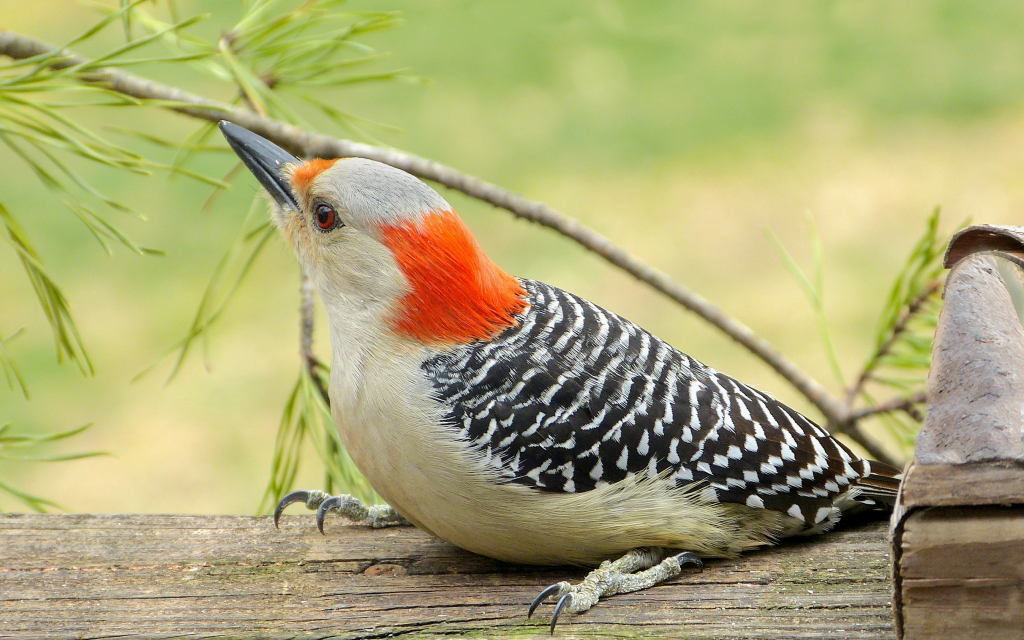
682 131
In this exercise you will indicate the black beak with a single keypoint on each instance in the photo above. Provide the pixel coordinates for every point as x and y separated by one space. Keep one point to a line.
265 159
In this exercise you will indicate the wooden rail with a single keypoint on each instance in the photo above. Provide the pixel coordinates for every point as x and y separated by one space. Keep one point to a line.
90 576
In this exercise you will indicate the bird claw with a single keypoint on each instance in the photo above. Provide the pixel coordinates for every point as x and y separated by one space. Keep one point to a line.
292 498
638 569
562 589
564 600
376 516
542 596
689 557
334 502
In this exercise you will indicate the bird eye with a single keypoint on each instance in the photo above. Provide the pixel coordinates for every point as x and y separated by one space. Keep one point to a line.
325 217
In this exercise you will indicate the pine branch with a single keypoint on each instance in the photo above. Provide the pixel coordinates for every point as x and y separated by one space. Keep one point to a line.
305 144
912 309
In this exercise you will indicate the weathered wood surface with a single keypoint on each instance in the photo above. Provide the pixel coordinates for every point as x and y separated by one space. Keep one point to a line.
88 576
962 572
960 485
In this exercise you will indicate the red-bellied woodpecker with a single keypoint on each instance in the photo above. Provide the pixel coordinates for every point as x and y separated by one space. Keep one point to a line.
524 423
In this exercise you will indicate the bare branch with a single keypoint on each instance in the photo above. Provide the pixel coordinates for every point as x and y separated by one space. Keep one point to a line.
907 405
303 143
856 433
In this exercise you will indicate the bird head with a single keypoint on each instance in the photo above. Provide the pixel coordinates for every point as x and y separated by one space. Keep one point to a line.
377 239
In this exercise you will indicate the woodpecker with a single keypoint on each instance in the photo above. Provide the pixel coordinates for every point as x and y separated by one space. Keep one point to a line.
524 423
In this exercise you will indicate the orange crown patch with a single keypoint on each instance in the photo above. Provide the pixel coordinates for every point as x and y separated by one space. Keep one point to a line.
304 174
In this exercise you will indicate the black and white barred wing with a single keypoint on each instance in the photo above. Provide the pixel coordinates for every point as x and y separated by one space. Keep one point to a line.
575 397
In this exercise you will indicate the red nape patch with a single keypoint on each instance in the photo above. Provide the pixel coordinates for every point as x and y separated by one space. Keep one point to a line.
456 293
305 172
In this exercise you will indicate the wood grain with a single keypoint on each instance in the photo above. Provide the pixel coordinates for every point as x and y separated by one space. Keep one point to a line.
962 573
89 576
957 485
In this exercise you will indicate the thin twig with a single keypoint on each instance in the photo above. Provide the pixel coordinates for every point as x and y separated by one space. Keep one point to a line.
911 310
309 359
856 433
303 143
906 405
306 313
315 372
852 427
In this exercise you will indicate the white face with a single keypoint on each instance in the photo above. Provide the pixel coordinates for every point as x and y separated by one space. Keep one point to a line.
337 233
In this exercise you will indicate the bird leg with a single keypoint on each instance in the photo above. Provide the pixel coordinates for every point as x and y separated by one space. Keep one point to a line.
377 516
638 569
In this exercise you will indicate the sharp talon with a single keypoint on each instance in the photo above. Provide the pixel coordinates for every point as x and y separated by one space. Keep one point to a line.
566 599
553 589
689 557
325 506
291 498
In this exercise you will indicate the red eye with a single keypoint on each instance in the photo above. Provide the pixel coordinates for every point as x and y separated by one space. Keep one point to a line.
325 217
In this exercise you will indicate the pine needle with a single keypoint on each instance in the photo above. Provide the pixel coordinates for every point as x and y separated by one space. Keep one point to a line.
25 447
10 369
232 269
906 328
815 291
274 50
307 418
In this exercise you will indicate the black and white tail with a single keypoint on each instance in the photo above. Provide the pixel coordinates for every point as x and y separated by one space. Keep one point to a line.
881 483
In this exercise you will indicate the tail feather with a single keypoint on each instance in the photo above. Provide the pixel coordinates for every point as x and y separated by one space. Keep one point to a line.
880 483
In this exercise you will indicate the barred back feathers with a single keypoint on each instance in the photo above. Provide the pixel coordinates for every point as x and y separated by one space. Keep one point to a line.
574 398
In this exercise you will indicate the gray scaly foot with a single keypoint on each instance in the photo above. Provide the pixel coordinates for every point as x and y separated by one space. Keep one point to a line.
638 569
377 516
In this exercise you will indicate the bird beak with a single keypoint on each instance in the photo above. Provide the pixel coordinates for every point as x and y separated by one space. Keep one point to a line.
265 160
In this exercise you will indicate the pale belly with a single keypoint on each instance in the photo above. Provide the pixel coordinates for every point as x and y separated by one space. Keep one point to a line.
392 429
433 480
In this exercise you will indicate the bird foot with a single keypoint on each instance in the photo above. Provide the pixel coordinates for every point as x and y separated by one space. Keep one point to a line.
377 516
638 569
